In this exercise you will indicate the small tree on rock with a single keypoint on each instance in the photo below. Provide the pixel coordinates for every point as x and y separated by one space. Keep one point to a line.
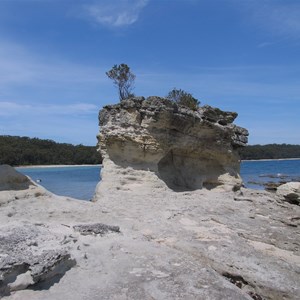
123 78
183 98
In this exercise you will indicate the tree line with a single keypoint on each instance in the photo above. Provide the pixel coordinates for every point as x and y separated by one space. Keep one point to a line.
270 151
22 151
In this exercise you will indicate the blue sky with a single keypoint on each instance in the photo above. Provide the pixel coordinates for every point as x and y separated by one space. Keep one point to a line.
238 55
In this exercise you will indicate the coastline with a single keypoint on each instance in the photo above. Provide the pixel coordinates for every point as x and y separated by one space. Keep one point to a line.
269 159
100 165
55 166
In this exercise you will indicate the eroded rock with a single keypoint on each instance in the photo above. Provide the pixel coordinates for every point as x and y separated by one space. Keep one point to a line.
22 266
155 141
289 192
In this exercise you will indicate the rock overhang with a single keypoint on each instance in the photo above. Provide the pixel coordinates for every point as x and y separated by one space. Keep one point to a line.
186 149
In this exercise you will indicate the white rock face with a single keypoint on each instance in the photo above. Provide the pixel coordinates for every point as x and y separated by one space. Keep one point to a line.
289 192
156 142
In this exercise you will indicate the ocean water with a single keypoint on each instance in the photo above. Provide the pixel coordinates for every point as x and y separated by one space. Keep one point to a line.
255 173
80 182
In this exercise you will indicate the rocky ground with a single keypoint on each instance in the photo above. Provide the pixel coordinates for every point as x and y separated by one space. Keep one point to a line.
148 243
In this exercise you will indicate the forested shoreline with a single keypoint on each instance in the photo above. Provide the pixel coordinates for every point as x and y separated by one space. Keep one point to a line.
270 151
25 151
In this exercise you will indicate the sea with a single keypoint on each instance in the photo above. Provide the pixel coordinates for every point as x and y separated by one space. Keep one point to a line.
80 181
72 181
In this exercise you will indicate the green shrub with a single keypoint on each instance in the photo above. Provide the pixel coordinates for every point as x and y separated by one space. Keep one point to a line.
183 98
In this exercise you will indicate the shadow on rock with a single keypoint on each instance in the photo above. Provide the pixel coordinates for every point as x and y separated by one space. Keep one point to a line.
10 179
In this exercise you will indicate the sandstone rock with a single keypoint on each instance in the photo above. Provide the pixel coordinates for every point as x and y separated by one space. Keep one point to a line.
22 265
157 142
190 245
289 192
10 179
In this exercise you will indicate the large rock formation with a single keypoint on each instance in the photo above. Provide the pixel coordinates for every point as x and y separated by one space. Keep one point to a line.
157 141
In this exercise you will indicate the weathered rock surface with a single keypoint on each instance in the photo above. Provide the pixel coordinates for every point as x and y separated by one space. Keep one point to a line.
200 244
10 179
155 141
27 260
289 192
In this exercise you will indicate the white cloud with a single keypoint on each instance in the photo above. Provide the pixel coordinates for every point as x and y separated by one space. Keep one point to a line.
11 108
115 13
47 96
260 83
18 66
280 18
8 109
264 44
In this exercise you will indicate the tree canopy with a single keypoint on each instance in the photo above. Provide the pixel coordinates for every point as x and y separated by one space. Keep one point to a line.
183 98
123 79
16 151
270 151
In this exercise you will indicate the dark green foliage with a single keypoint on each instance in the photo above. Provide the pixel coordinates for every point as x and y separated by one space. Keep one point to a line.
16 151
271 151
123 79
183 98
